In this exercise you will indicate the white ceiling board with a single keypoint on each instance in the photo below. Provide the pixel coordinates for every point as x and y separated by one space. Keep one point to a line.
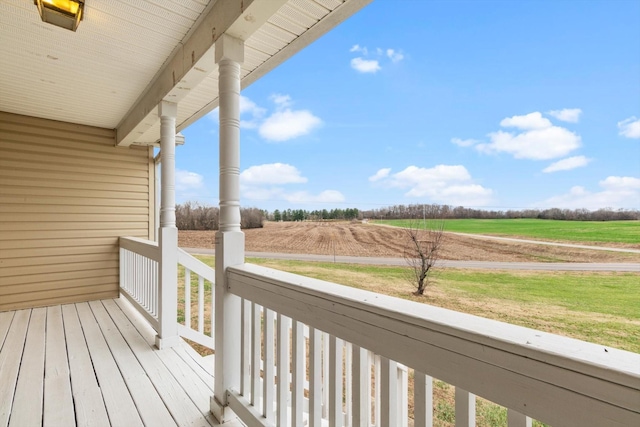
97 75
98 71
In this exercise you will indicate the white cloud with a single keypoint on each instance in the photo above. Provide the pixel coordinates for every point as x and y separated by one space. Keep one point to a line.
283 124
247 106
464 142
272 173
266 183
189 186
540 139
616 192
571 115
186 180
528 121
382 173
365 65
567 164
281 101
357 48
297 197
450 184
630 127
394 56
288 124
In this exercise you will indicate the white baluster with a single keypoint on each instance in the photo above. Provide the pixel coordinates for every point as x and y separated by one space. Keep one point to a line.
268 380
284 325
315 378
465 408
422 400
298 353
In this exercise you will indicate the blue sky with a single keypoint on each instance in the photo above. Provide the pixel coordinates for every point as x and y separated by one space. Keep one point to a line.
488 104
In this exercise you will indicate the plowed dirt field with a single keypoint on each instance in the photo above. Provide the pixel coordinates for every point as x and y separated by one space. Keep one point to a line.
356 239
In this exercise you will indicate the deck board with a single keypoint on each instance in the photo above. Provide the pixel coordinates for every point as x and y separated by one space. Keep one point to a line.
175 398
120 406
29 394
94 364
58 402
10 357
5 321
89 405
150 406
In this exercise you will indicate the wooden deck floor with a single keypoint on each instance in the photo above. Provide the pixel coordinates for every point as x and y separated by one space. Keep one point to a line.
94 364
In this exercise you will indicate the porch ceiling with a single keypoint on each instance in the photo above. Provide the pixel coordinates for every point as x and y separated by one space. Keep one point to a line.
128 55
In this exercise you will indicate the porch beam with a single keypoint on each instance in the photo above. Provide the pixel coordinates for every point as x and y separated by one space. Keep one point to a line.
193 60
229 238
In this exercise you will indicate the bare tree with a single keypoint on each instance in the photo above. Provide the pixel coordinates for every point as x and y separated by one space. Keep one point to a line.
422 250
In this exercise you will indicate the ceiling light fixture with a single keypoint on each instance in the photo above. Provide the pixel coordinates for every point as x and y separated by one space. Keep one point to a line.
62 13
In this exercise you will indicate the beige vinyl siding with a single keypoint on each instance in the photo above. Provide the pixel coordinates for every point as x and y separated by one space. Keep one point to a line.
66 195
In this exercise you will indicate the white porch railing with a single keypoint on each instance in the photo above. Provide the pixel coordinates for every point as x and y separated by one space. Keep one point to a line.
326 378
198 280
139 261
316 353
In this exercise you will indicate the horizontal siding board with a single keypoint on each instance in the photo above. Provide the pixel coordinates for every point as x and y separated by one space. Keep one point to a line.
36 172
61 284
36 133
15 163
48 301
42 243
56 226
72 201
71 210
64 234
5 273
66 196
73 192
53 293
47 218
22 143
64 276
47 183
100 162
59 260
58 133
72 128
57 251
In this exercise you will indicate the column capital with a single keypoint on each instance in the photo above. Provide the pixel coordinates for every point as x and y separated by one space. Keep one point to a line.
229 47
167 109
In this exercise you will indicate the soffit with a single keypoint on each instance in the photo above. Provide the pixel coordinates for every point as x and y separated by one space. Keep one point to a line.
97 74
94 75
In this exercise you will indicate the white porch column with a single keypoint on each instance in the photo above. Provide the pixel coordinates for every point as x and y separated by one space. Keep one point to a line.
229 239
168 233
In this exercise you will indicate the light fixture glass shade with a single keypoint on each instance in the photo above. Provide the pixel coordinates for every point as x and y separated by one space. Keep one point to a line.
62 13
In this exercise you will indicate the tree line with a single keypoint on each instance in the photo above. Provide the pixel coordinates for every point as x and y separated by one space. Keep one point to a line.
195 216
460 212
315 215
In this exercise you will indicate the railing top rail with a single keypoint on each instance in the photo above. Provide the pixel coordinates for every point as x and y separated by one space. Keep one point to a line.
194 264
502 362
140 246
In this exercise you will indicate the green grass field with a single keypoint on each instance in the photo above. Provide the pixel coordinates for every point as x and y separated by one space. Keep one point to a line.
578 231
